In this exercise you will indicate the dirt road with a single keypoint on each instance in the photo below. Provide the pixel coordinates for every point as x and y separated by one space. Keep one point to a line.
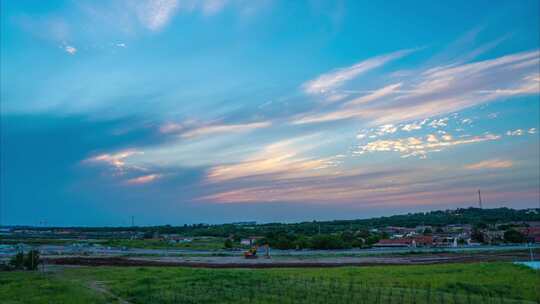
261 262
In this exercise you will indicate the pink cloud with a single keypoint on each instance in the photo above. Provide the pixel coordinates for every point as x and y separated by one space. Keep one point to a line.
490 164
143 179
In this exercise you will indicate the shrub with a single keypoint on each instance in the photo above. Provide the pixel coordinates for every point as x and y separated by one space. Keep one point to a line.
17 261
328 242
514 236
32 261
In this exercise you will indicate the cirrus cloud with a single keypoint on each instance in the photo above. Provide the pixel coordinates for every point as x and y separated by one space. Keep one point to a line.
490 164
420 146
333 80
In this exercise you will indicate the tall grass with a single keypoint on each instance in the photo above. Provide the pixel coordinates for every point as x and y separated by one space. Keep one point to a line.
485 283
303 290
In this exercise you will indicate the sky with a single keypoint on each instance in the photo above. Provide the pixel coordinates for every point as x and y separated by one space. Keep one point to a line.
214 111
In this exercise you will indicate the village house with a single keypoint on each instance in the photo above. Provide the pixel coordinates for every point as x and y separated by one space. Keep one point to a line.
416 241
532 234
399 232
250 241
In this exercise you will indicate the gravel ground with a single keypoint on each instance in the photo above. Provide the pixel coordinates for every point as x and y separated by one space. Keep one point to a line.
291 261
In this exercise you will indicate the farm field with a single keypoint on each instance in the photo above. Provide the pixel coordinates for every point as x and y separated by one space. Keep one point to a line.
441 283
198 243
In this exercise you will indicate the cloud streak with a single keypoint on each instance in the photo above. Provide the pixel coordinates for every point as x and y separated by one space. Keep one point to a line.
143 179
429 92
328 82
70 49
116 160
283 159
418 146
216 129
349 109
155 14
490 164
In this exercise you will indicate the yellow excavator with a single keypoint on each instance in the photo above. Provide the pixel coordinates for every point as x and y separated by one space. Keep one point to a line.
251 253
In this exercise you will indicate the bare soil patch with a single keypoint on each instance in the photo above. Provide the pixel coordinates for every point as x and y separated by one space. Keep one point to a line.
240 262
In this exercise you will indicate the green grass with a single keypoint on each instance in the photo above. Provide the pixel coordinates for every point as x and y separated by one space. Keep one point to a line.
29 288
40 241
445 283
198 243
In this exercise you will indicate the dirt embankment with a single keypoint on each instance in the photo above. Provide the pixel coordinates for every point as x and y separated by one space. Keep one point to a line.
239 262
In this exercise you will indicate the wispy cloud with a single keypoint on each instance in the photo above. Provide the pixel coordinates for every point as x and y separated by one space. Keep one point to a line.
70 49
520 132
116 160
416 125
517 132
215 129
325 83
429 92
420 146
171 127
155 14
349 109
439 123
312 188
143 179
371 188
490 164
281 159
130 16
377 94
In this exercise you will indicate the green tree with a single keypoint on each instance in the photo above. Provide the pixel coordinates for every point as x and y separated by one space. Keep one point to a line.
477 235
228 243
17 261
327 241
513 236
31 260
372 239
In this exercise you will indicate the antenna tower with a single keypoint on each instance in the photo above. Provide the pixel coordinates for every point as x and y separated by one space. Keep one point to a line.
479 199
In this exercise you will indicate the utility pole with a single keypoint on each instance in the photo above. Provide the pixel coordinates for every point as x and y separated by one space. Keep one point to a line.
479 199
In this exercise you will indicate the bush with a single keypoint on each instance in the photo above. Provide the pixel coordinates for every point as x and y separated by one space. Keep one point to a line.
514 236
328 242
30 261
17 261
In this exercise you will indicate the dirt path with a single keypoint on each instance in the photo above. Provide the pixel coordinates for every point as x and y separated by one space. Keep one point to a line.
240 262
99 287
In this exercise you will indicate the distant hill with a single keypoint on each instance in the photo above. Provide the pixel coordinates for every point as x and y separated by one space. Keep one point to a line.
448 217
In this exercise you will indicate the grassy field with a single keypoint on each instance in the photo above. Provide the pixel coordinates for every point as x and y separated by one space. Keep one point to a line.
198 243
40 241
449 283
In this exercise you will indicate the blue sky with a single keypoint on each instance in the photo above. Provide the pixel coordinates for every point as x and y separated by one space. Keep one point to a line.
184 111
